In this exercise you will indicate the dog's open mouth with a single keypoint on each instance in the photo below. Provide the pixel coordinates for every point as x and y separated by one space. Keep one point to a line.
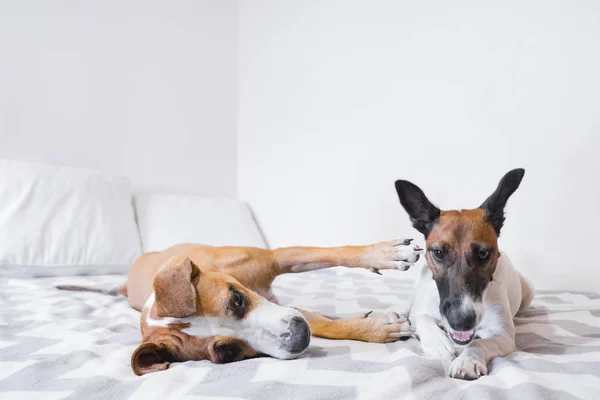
462 337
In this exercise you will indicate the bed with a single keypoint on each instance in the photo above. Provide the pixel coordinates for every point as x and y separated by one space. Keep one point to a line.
64 225
73 345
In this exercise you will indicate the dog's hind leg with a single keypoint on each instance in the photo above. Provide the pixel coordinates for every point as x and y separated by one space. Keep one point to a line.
256 268
396 254
527 292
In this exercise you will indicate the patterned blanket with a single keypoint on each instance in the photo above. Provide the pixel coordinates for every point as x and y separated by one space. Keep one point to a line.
74 345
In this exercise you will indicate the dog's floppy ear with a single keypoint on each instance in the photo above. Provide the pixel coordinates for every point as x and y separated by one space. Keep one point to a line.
150 357
175 290
422 213
494 205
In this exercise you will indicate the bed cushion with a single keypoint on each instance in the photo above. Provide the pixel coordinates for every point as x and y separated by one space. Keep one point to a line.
169 219
56 220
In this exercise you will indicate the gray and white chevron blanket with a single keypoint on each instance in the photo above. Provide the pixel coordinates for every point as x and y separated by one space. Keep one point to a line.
77 345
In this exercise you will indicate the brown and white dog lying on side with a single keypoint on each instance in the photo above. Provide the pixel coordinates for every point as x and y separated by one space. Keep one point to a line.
215 303
467 297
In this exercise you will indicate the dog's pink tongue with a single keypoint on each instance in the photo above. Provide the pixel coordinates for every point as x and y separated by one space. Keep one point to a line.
462 336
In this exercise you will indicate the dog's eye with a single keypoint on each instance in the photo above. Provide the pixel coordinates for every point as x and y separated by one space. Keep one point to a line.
238 300
438 254
238 303
483 254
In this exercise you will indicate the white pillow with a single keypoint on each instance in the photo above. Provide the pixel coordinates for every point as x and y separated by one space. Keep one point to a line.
166 220
60 220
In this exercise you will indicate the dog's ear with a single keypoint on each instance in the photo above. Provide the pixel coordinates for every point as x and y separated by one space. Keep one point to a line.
494 205
150 357
422 213
175 289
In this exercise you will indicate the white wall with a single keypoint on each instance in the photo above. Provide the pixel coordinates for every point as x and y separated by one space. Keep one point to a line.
338 99
144 89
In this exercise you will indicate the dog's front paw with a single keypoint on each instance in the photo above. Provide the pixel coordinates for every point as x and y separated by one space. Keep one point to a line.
397 254
468 368
437 344
380 328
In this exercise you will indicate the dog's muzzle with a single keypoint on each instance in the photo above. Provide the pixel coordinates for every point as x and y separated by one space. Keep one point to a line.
460 320
280 332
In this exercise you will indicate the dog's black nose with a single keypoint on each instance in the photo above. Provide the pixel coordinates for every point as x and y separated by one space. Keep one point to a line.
299 337
458 318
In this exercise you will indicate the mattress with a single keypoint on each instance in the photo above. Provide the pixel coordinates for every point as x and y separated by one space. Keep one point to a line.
73 345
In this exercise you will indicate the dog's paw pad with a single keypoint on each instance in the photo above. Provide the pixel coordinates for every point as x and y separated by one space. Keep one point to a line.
383 327
398 254
467 368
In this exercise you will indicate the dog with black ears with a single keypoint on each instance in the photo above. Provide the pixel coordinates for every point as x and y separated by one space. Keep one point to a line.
470 292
